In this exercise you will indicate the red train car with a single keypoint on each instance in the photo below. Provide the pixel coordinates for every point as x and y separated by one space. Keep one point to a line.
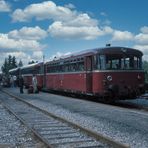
28 71
109 73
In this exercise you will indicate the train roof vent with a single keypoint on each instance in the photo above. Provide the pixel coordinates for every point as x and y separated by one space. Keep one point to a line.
108 45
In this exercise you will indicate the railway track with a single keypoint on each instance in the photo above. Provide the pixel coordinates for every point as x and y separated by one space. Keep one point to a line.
14 133
55 131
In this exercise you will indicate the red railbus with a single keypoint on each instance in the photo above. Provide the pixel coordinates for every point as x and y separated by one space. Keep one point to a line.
28 71
109 73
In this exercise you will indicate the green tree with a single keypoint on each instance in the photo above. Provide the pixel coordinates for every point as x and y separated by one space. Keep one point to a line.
31 62
145 65
5 67
20 64
14 63
9 63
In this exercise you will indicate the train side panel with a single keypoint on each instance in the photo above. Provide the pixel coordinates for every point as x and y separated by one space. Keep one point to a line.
74 82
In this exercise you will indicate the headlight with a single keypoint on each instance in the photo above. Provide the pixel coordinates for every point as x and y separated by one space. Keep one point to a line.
109 78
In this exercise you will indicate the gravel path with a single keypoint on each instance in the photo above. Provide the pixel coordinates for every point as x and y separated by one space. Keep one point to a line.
125 125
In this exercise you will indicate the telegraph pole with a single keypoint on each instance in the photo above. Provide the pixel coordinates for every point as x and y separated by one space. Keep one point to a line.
44 75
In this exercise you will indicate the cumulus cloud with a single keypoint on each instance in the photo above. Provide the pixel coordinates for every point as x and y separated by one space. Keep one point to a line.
9 44
70 6
21 43
67 22
141 41
25 39
37 56
144 29
28 33
143 48
58 29
4 6
41 11
142 37
122 35
107 30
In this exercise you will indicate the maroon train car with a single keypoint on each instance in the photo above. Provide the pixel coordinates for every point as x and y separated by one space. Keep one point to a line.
28 71
109 73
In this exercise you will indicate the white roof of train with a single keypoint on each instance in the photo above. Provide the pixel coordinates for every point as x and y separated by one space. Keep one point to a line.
31 65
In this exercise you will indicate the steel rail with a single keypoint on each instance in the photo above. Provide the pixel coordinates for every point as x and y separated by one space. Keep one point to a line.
24 123
88 132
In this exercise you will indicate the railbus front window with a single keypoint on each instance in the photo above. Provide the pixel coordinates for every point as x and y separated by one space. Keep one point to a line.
119 62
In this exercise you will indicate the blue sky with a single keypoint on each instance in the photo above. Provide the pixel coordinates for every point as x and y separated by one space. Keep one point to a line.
33 28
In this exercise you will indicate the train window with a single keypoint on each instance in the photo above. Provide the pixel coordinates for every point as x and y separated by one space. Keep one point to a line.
81 66
95 62
101 62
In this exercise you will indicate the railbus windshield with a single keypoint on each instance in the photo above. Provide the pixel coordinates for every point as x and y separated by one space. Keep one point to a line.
117 62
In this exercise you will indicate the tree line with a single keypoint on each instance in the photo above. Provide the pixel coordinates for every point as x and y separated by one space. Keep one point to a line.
10 62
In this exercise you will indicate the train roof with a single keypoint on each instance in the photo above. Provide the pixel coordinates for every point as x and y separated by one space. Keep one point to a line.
14 69
31 65
104 50
119 50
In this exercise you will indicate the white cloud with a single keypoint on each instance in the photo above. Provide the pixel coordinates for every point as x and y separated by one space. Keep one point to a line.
144 49
81 20
4 6
107 30
58 29
41 11
144 29
67 22
37 56
21 43
122 35
49 10
141 41
142 38
8 44
28 33
70 6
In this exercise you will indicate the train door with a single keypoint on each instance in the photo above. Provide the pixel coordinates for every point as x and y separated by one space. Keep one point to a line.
44 75
89 74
